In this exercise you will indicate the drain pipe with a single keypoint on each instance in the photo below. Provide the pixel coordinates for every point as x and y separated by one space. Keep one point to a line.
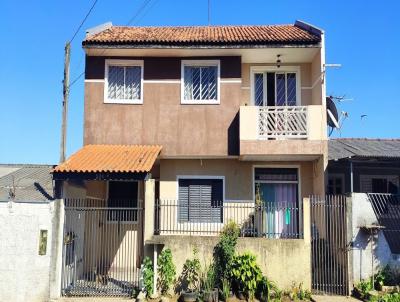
351 176
155 269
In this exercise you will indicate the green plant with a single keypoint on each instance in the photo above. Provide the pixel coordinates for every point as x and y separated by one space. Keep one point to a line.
225 289
191 272
266 288
224 251
363 288
246 273
166 271
297 292
208 278
148 275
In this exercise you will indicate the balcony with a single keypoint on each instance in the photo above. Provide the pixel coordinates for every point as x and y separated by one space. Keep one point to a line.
282 132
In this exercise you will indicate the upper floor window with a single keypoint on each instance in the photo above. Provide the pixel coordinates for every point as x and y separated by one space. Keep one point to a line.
200 82
123 82
279 87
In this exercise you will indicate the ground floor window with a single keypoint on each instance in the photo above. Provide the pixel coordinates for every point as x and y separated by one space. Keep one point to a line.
379 184
123 196
200 200
335 184
276 192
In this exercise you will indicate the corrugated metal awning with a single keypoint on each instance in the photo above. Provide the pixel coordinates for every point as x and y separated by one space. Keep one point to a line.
108 161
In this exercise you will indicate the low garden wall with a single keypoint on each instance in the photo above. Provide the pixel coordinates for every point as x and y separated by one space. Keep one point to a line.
284 261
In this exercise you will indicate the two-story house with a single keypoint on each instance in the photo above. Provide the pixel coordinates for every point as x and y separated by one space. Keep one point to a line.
185 129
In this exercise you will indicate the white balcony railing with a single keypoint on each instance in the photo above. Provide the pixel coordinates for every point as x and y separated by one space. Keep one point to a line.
282 122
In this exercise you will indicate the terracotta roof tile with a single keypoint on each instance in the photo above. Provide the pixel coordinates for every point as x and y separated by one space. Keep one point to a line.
243 34
111 158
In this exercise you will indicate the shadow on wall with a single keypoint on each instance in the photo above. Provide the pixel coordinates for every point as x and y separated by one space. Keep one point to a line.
233 136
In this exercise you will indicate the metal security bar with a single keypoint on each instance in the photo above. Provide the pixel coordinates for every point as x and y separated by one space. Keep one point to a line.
275 220
387 211
102 247
282 122
329 245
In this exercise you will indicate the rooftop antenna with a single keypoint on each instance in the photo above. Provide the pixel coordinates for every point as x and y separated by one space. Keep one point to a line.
209 11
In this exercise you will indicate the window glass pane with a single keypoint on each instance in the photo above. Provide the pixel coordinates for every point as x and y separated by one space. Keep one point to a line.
258 89
270 88
291 89
379 185
115 82
280 89
191 83
209 83
132 82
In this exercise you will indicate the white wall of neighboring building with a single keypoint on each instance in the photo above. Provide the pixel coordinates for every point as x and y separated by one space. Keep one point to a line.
363 215
24 274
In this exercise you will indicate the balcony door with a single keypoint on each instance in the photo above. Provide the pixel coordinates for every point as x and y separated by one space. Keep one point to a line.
275 87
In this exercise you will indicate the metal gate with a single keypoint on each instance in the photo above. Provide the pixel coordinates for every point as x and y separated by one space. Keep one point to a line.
102 248
329 245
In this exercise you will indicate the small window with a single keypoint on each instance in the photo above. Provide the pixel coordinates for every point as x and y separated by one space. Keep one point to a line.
335 185
123 201
200 200
275 88
123 82
200 82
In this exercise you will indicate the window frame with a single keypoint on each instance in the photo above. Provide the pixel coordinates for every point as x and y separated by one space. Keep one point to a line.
122 63
200 63
200 177
275 69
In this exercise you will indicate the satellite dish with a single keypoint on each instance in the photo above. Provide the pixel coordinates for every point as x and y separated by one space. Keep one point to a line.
333 117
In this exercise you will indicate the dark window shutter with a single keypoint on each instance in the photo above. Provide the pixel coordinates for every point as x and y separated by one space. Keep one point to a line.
200 200
183 203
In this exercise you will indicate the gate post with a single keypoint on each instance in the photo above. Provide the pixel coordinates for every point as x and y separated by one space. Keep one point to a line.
148 207
306 220
349 241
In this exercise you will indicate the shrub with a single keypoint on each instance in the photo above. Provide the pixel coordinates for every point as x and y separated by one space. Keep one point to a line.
191 272
148 275
224 251
246 273
226 289
166 271
265 289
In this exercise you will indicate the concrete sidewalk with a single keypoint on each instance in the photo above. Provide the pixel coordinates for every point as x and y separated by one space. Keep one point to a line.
318 298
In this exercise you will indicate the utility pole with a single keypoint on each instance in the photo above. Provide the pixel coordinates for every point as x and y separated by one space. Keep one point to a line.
209 12
65 102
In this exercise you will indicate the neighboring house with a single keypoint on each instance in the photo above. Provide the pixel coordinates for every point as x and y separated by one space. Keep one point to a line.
185 129
28 237
363 165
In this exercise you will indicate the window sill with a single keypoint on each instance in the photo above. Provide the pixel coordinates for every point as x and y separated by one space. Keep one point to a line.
127 102
200 102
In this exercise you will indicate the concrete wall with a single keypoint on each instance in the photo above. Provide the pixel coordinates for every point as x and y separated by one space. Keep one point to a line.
238 176
283 260
363 264
24 274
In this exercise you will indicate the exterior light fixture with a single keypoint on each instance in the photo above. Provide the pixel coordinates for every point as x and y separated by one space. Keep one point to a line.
278 61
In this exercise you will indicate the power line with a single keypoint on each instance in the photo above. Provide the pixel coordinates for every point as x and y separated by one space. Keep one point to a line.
76 79
144 4
83 21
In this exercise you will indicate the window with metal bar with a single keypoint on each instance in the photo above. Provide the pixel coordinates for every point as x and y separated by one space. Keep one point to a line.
123 82
275 89
200 83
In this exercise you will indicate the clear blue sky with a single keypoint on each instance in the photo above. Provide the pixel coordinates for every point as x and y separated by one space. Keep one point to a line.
363 36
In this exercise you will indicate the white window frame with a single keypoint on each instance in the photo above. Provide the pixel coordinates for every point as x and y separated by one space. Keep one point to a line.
122 63
218 177
285 69
200 63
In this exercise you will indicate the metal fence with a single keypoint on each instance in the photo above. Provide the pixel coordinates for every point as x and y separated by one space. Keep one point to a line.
387 211
329 245
102 247
268 220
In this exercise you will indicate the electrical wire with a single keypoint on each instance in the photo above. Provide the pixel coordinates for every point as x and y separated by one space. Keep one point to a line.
83 21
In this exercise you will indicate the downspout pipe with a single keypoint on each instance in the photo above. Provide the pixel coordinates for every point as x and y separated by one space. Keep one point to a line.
351 176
